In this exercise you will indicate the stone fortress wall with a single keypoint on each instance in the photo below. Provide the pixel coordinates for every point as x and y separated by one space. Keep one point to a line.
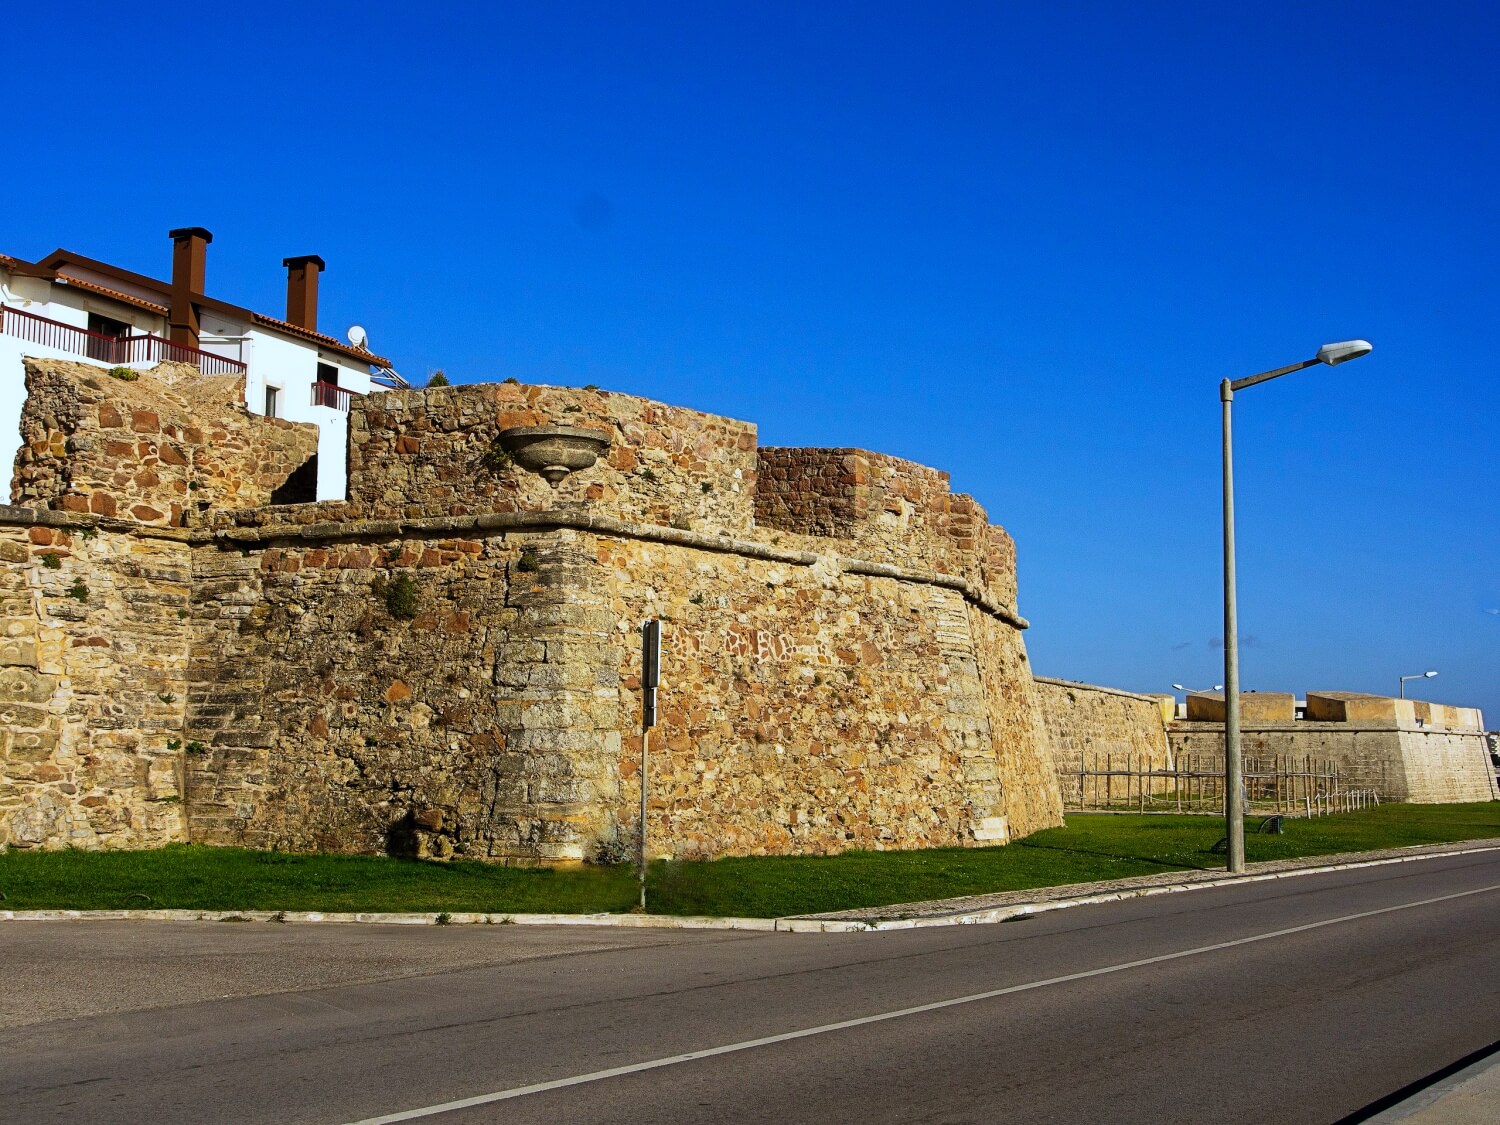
447 662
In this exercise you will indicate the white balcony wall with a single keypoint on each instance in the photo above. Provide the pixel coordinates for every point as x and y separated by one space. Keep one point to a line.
291 366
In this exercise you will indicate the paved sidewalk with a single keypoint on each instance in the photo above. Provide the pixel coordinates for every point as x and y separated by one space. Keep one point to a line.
1013 902
1470 1097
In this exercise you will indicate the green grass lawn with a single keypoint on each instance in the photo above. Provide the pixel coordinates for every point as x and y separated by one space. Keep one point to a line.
1089 848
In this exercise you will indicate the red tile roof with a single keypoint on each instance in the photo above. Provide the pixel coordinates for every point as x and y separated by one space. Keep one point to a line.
125 298
55 265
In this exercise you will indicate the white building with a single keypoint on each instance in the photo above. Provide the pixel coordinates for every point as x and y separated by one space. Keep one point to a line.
67 306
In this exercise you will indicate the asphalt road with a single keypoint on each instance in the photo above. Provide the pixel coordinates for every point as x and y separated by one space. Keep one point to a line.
1287 1001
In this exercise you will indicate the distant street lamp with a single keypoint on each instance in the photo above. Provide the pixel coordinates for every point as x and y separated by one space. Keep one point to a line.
1197 691
1401 691
1234 804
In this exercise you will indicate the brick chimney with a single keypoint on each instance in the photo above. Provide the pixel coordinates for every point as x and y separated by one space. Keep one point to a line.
302 290
189 257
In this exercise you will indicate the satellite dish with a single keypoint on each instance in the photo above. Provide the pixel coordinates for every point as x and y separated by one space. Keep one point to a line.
358 336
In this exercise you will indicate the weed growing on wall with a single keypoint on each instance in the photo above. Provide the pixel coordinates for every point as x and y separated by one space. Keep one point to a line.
528 563
439 379
79 590
124 374
495 459
400 595
52 561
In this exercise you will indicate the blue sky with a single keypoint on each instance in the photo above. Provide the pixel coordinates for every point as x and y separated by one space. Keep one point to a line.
1019 242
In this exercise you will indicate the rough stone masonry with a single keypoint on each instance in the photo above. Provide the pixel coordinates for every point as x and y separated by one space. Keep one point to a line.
447 663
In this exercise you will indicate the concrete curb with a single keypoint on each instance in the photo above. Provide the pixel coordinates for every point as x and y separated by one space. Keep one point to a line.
789 925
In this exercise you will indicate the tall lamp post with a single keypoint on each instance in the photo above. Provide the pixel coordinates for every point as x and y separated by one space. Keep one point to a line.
1234 801
1401 690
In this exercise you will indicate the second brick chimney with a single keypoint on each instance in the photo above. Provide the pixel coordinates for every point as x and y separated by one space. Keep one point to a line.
189 261
302 290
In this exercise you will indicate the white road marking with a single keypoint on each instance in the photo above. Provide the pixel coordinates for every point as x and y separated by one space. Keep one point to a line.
881 1017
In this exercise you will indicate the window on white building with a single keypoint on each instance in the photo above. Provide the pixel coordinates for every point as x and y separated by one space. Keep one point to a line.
272 394
106 350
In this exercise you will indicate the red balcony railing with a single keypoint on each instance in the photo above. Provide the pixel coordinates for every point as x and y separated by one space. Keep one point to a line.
145 348
330 394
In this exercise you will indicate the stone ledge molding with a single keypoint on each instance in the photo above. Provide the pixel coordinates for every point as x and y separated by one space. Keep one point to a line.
515 521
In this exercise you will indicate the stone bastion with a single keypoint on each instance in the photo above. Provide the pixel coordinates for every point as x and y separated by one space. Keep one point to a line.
447 662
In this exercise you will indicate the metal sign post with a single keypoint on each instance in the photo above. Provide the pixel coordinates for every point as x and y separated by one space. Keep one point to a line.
650 681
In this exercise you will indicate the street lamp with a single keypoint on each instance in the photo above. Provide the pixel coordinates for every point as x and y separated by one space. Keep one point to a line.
1197 691
1401 691
1234 804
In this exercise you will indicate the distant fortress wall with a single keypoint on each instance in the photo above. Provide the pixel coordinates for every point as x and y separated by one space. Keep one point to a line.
1403 749
1085 723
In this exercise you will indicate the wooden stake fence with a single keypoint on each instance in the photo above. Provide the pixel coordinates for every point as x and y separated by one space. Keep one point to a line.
1281 783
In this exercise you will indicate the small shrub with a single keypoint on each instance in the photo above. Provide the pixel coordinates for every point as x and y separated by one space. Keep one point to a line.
495 459
166 697
439 378
182 615
196 747
401 597
696 599
528 562
52 561
706 487
88 532
444 919
79 590
194 486
124 374
512 379
591 386
174 744
647 474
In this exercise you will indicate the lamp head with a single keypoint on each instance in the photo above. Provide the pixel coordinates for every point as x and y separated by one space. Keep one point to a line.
1428 675
1343 351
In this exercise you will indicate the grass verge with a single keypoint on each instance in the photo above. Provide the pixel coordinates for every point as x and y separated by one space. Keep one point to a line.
1088 849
